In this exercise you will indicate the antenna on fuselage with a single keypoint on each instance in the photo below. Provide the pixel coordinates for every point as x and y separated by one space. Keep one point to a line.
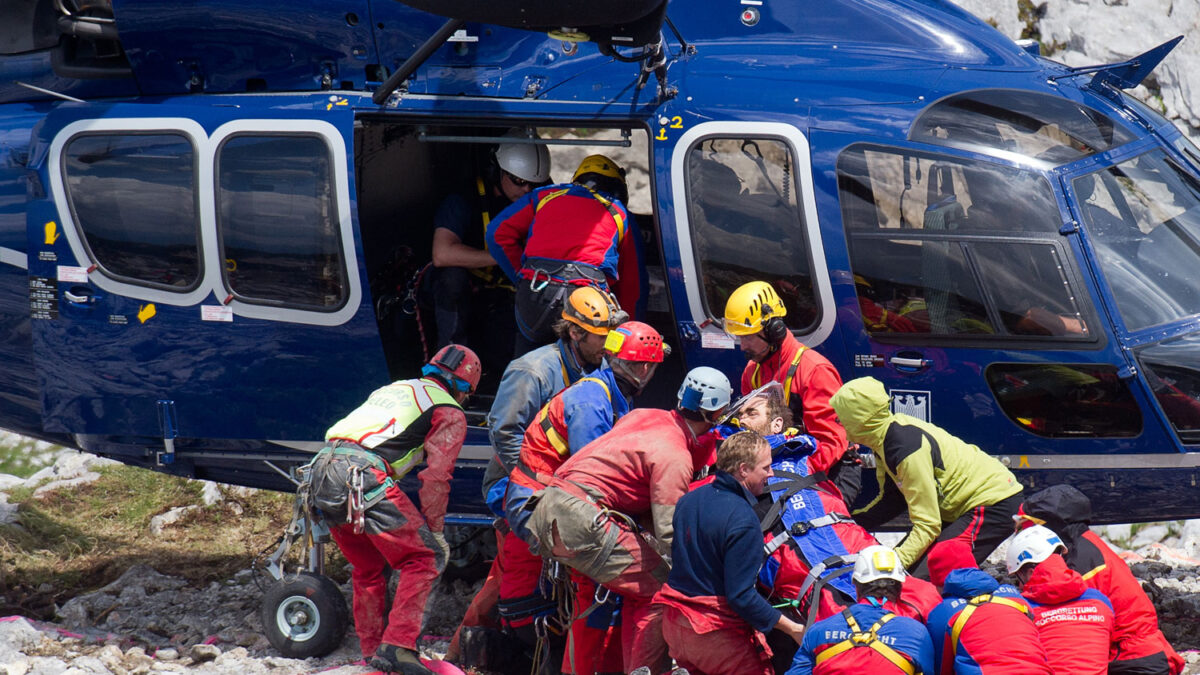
50 93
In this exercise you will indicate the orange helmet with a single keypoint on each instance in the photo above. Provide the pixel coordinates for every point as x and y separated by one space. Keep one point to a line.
457 363
593 310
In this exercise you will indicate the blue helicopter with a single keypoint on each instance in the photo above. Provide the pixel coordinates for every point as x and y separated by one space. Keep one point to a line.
209 213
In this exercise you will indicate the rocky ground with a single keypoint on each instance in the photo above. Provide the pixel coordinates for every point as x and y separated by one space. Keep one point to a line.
150 621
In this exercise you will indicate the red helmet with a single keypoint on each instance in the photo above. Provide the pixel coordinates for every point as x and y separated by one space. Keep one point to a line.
636 341
458 363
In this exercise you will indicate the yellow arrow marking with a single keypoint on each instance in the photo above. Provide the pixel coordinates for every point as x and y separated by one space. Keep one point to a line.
145 312
1024 463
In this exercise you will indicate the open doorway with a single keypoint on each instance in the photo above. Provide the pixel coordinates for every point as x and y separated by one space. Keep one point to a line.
407 170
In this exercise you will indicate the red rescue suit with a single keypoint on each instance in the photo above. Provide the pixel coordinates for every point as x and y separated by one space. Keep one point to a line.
404 543
1075 622
571 419
601 500
809 379
1136 624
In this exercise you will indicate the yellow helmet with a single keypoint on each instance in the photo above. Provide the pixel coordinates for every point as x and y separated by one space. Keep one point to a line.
593 310
750 306
601 165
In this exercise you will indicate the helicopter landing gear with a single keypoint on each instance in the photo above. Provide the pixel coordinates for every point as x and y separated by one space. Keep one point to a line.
304 612
304 615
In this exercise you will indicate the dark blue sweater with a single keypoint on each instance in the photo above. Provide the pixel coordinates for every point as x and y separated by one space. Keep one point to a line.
718 549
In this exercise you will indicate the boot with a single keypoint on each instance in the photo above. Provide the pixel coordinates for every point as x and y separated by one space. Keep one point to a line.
393 659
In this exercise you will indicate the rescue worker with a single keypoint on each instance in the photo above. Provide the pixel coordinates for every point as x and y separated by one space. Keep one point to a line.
866 637
573 418
562 236
982 626
1075 622
1142 649
590 516
952 489
472 299
808 532
754 316
714 620
398 428
527 385
529 381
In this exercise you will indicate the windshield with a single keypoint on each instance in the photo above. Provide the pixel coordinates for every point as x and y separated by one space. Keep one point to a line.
1019 124
1143 220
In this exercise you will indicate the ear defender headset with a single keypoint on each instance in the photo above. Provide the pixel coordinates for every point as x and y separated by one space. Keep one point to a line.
774 330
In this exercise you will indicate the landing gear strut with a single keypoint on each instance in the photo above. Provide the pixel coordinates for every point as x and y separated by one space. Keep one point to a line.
303 613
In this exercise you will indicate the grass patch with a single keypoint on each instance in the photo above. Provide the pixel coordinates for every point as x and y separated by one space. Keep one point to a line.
79 539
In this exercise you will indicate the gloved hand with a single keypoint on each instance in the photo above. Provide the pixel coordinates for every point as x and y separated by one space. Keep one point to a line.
442 553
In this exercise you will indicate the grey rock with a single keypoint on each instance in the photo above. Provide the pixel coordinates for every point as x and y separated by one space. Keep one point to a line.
1149 535
89 665
18 636
202 653
164 520
167 654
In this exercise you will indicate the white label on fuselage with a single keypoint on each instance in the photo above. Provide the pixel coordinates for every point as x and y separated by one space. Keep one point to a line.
710 340
216 313
73 275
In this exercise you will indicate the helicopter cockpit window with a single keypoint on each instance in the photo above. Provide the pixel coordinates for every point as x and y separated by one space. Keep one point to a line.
133 198
1006 122
277 221
1143 219
746 223
947 246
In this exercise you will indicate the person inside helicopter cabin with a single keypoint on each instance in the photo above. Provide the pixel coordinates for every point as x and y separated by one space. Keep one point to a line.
472 299
560 237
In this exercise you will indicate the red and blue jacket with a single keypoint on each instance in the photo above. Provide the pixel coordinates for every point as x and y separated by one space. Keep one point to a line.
570 223
984 628
886 644
1075 622
572 418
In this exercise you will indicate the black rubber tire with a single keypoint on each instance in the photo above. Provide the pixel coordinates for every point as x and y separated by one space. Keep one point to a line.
304 615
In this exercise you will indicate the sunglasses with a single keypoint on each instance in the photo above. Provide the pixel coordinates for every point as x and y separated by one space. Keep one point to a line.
519 182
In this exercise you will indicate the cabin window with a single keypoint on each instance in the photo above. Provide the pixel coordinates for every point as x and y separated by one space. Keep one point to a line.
1013 124
1173 372
133 199
746 224
277 221
1143 220
1058 400
943 246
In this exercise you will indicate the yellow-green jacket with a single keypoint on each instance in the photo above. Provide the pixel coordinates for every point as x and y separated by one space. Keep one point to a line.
940 477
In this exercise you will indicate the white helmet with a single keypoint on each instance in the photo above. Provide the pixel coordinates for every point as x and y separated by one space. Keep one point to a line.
704 388
524 160
877 562
1031 546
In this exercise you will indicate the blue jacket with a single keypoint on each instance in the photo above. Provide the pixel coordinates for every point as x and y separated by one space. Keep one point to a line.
588 410
902 634
718 548
527 384
995 637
